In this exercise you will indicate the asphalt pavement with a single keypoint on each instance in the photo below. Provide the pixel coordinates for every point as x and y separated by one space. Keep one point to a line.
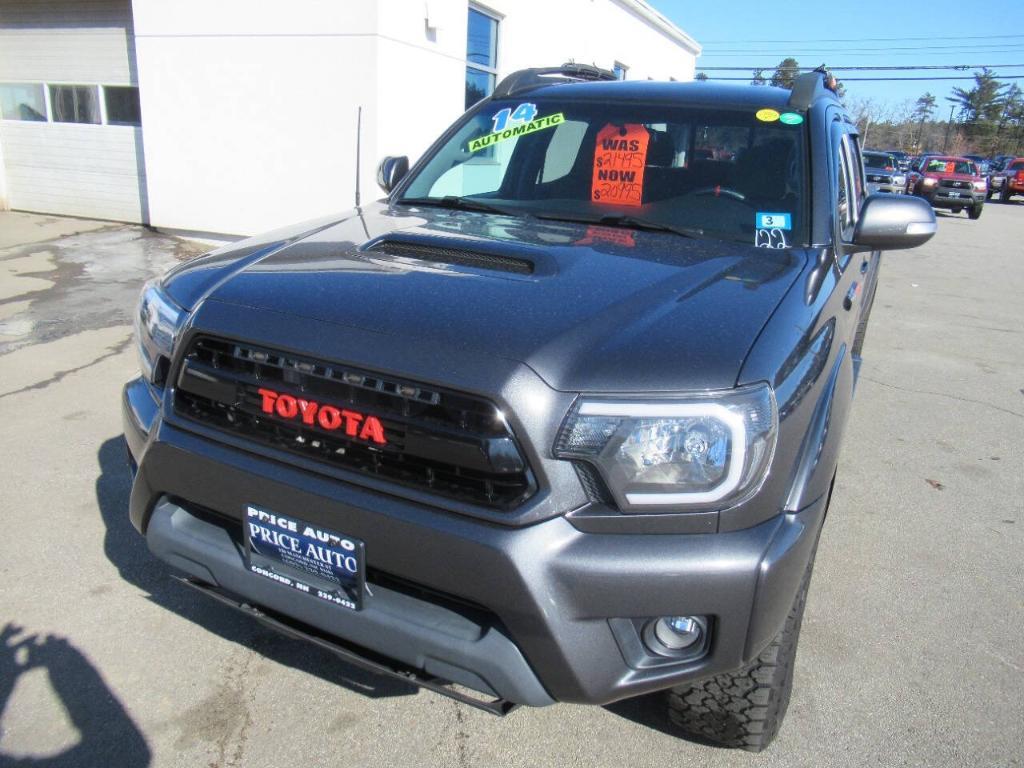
912 652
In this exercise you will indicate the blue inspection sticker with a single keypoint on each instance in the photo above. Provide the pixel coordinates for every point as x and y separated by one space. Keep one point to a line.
774 221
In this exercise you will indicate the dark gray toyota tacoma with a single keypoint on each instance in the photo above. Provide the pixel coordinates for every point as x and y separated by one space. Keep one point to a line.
557 420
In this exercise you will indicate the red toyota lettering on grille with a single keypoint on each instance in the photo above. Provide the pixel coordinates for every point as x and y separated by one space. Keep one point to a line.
327 417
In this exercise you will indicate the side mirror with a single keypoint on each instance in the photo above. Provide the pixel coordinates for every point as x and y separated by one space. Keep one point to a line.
391 171
892 222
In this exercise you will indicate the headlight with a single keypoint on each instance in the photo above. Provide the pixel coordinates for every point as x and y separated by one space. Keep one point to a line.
157 323
928 181
709 450
981 186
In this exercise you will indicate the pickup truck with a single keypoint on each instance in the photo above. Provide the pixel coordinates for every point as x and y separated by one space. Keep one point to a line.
557 420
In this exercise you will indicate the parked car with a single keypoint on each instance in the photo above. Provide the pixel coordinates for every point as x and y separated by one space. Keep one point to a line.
902 159
883 173
950 182
1013 183
996 176
561 425
981 162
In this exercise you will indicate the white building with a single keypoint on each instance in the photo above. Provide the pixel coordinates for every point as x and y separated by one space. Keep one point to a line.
235 116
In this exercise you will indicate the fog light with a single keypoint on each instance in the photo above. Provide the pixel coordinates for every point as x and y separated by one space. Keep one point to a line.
677 633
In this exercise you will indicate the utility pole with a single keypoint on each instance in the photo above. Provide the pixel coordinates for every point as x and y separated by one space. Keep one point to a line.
945 141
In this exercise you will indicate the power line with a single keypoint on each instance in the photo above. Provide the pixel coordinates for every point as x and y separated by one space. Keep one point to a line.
886 79
873 52
869 39
847 69
881 49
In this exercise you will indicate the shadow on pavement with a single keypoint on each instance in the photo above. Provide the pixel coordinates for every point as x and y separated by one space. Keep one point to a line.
107 735
126 549
650 711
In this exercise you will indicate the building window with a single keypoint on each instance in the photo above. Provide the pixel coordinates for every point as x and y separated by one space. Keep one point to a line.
75 104
122 103
620 70
22 101
481 55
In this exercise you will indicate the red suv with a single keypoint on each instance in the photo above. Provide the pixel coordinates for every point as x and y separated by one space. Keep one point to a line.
950 182
1014 184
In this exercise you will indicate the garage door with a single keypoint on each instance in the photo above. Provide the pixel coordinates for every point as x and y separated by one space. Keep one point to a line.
70 127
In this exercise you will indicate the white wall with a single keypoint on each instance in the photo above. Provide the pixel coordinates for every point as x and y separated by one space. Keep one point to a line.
91 171
600 32
249 108
94 171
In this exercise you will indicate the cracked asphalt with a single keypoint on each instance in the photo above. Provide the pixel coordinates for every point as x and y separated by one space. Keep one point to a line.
912 651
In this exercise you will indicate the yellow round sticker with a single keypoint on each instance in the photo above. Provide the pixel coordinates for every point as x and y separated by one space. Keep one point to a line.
767 115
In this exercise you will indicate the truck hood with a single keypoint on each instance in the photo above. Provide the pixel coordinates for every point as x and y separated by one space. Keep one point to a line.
589 308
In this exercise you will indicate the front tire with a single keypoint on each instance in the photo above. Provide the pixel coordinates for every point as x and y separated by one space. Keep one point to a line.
975 211
744 709
1004 196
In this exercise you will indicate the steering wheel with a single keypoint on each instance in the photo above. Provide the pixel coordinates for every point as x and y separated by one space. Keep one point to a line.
718 192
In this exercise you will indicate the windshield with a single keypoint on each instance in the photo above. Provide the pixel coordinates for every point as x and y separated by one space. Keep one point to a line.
879 160
948 165
730 174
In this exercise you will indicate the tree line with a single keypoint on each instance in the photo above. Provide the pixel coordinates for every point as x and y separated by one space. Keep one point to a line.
986 118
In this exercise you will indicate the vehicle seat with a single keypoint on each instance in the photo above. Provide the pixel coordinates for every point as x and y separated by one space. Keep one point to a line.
762 171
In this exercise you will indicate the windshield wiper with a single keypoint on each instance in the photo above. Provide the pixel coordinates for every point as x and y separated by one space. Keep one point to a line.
459 203
627 221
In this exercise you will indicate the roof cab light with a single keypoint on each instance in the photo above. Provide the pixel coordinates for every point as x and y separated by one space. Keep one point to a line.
708 450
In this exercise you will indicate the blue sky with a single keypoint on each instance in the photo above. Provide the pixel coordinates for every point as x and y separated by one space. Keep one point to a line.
746 33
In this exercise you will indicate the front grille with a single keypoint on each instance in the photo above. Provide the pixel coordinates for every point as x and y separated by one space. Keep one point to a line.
880 179
450 444
955 184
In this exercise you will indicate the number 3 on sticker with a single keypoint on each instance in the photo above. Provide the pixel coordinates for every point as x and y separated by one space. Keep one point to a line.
774 221
524 113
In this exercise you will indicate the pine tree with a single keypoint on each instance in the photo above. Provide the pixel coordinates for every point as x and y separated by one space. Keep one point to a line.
785 73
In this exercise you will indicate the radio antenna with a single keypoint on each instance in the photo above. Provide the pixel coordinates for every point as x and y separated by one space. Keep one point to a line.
359 131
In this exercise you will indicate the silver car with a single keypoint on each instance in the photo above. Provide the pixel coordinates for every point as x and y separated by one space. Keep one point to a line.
883 173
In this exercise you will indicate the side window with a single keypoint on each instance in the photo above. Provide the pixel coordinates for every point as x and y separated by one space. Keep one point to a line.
846 199
481 55
856 172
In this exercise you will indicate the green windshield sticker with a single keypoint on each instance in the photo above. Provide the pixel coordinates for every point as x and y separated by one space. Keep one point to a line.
549 121
791 118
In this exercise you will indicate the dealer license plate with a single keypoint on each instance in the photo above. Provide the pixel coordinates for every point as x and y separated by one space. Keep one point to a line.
309 558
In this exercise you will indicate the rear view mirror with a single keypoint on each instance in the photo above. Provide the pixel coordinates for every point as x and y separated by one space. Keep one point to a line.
891 222
391 171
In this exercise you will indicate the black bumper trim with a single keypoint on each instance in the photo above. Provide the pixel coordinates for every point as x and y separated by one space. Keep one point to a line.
495 706
439 642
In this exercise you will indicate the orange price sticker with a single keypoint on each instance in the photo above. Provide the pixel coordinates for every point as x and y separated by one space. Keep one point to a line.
620 153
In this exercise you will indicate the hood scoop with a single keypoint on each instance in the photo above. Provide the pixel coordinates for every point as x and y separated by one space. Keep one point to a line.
446 254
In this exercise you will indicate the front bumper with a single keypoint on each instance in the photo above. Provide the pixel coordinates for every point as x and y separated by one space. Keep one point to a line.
942 197
534 614
892 189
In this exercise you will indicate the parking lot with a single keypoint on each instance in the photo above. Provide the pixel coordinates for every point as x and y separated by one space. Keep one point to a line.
912 651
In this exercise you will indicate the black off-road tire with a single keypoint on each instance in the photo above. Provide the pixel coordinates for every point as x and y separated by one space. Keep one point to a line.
744 709
974 212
